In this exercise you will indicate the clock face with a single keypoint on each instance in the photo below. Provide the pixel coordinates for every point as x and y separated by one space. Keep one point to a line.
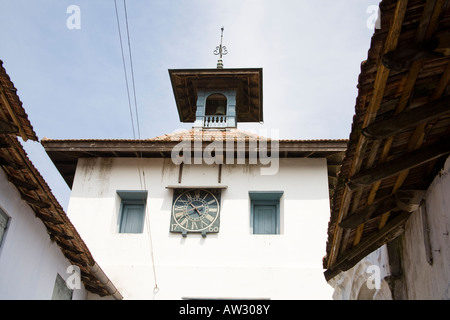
195 210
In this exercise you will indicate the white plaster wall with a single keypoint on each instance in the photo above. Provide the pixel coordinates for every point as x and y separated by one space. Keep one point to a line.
233 263
29 261
425 281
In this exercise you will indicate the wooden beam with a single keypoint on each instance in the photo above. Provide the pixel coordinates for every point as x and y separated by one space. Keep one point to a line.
8 128
403 57
22 184
406 120
35 202
48 218
71 249
75 259
405 162
13 165
13 115
410 80
427 26
362 215
409 200
374 104
404 200
52 231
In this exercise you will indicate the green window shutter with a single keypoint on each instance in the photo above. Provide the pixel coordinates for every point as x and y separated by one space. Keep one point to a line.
132 210
132 220
265 212
265 219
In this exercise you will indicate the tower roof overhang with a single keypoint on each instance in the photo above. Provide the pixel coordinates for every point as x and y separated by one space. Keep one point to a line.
247 83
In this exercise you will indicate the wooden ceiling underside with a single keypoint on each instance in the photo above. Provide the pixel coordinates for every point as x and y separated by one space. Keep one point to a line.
400 131
65 153
246 82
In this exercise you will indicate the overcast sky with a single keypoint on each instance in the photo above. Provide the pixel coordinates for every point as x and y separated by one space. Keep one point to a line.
72 85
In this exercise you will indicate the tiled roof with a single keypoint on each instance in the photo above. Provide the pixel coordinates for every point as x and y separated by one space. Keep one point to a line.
209 135
195 134
11 107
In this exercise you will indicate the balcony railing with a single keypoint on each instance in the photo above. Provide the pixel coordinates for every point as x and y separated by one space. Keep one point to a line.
215 122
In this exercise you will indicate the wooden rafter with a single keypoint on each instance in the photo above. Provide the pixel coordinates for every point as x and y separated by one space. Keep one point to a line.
397 166
427 27
13 115
22 183
391 231
8 128
374 104
377 143
406 120
407 200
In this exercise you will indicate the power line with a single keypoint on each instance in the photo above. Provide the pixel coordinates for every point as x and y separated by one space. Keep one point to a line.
132 70
124 69
143 183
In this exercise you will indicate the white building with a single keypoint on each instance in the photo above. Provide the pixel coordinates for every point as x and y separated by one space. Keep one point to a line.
42 256
211 212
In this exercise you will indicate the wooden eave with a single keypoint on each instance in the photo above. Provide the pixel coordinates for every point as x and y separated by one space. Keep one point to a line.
400 132
13 118
247 82
37 194
33 189
65 153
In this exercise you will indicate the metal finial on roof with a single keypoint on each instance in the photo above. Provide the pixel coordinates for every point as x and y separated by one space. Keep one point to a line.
220 51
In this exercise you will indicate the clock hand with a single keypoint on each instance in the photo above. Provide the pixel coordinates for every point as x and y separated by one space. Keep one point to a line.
196 208
197 211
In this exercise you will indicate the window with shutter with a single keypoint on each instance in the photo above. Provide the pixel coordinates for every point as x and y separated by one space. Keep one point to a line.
132 220
265 219
132 211
265 212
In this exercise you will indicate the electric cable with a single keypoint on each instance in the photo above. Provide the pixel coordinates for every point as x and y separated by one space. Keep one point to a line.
142 180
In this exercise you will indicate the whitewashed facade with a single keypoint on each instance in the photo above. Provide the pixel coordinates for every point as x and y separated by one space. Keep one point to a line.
426 255
233 263
29 261
268 239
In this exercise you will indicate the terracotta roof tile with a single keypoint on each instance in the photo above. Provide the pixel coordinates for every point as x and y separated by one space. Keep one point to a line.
209 135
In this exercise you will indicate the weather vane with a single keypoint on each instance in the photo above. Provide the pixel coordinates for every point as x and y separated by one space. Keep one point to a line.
220 51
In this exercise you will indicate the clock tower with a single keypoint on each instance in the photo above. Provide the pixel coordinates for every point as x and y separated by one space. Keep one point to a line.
218 98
